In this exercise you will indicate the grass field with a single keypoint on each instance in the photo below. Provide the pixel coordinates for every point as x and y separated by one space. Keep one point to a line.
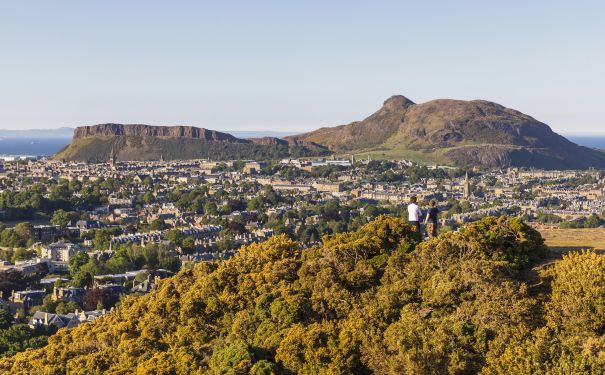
574 239
397 154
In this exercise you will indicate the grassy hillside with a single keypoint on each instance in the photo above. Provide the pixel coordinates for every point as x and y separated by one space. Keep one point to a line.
99 148
456 132
582 238
372 301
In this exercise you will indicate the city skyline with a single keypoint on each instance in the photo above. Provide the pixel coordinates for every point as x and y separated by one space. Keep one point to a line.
283 67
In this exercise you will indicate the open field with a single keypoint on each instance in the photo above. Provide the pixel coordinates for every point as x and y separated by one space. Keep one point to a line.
574 239
396 153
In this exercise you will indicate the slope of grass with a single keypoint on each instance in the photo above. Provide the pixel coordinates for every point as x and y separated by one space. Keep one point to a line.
575 238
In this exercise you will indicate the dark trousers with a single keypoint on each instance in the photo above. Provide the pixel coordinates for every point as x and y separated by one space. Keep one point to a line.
418 232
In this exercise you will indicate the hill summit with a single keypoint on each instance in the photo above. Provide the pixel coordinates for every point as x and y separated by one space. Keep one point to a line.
456 132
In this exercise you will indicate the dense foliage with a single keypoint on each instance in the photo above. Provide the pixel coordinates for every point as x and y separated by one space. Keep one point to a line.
37 200
99 149
370 301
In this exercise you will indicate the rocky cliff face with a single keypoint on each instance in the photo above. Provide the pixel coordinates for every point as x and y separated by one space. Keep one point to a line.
99 143
458 132
136 130
269 141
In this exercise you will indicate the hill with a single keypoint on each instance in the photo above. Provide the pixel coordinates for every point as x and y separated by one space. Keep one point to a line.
145 142
456 132
367 302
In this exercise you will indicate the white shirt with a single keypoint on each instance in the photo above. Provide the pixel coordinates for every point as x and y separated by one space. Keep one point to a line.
414 212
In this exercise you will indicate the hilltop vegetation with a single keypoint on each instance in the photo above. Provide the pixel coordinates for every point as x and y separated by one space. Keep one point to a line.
98 143
371 301
457 132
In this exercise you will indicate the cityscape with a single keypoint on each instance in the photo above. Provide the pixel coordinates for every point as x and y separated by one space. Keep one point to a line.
78 237
302 188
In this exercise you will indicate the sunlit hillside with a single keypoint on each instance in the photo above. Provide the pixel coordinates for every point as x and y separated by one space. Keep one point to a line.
367 302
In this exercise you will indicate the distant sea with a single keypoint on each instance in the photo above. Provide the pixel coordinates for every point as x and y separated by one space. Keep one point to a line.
594 141
18 146
26 143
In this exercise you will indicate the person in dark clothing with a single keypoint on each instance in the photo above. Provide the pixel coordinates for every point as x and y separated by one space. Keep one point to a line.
431 220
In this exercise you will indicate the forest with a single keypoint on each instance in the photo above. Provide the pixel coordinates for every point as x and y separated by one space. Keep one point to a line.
487 299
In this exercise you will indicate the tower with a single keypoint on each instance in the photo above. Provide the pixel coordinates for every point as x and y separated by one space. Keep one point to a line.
467 187
112 158
353 159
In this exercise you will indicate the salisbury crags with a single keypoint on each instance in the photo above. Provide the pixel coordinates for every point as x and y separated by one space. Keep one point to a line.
145 142
136 130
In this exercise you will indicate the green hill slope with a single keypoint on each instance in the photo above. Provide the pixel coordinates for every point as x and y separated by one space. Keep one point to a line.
371 301
97 143
456 132
99 149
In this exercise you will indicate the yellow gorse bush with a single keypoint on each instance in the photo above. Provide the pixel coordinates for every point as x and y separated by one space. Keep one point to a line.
371 301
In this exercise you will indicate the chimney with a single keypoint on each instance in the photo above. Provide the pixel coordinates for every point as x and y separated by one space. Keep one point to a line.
45 318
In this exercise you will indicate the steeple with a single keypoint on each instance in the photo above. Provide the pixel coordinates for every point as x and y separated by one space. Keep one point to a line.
112 157
467 187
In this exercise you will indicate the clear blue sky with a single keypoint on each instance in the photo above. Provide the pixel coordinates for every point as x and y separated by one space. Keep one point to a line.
276 65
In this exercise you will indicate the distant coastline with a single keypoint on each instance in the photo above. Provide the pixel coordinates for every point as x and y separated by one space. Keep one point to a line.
594 141
49 142
27 143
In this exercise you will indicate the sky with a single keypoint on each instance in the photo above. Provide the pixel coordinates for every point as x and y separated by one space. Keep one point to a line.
295 65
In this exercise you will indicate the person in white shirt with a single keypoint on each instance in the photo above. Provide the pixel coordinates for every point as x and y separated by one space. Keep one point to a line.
414 215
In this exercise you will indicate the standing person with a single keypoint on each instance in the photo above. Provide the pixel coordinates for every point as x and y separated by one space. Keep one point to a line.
432 218
414 215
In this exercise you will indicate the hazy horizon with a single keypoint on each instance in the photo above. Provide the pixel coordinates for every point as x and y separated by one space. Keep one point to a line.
260 130
295 67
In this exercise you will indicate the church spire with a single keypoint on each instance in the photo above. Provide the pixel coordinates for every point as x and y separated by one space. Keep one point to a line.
112 157
467 187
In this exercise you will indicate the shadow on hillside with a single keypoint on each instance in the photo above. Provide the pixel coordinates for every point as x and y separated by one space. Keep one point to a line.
537 279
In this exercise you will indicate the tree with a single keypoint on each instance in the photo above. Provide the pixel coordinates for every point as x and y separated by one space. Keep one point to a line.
119 262
66 307
234 358
172 264
25 231
175 236
20 337
62 218
188 245
22 254
210 209
98 297
11 280
9 238
82 279
77 261
6 319
158 224
93 267
147 197
102 237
